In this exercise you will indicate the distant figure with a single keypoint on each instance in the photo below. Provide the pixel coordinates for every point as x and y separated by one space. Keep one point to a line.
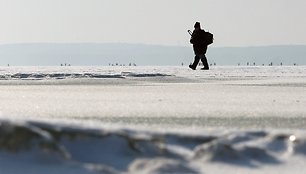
200 40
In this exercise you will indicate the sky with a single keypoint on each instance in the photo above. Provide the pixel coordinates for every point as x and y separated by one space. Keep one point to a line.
161 22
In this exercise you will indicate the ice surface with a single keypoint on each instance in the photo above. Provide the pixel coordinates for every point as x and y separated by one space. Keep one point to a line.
152 119
232 97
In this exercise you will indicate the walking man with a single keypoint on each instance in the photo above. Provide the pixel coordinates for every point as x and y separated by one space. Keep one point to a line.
199 41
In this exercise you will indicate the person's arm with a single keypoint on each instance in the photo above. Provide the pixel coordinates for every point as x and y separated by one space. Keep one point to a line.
193 37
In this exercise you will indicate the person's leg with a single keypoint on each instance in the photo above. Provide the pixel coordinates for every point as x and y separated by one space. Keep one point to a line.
204 60
195 63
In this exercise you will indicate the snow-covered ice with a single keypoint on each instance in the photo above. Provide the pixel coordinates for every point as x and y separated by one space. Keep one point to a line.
152 119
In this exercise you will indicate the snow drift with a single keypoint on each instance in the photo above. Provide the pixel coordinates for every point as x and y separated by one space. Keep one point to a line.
36 147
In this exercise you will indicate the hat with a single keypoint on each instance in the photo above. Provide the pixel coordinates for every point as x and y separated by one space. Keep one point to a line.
197 25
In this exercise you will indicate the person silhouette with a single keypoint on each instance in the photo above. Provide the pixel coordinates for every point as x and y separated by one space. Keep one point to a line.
199 47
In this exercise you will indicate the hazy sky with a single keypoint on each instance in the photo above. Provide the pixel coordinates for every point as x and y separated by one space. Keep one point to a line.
233 22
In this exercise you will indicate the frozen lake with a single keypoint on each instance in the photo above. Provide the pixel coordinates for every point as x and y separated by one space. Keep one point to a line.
261 106
159 97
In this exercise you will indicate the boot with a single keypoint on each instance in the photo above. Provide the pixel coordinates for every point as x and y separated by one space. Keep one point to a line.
192 67
205 68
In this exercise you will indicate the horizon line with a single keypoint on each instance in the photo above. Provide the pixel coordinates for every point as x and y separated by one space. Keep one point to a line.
144 44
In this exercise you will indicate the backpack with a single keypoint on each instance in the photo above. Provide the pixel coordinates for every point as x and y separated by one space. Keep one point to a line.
202 37
208 38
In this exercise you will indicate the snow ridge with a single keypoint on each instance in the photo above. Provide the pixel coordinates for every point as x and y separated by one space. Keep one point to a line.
132 151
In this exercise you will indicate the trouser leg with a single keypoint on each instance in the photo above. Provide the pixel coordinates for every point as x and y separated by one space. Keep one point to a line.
204 60
196 61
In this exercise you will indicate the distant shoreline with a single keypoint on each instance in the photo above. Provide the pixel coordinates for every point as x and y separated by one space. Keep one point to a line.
84 54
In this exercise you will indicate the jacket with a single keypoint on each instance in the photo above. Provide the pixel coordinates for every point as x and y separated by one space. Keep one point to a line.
198 41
